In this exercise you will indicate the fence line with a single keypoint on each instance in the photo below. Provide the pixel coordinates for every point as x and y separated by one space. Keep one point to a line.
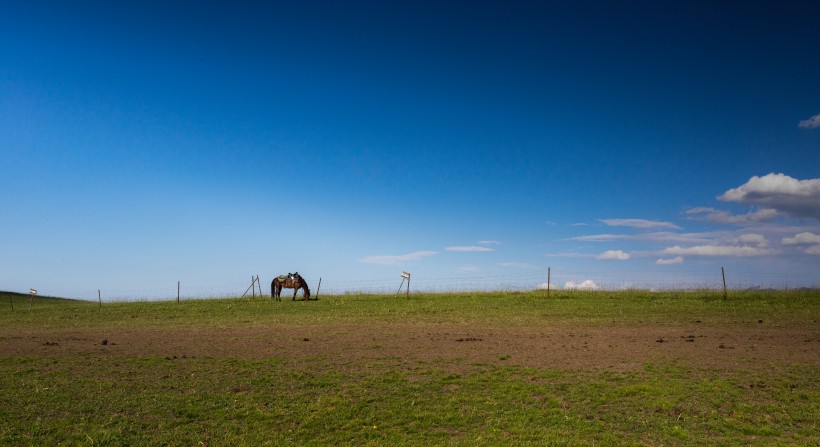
170 292
522 281
580 280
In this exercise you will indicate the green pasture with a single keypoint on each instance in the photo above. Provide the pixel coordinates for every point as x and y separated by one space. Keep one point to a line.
90 399
502 308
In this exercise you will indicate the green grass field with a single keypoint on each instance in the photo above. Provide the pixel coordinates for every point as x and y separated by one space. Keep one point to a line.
76 373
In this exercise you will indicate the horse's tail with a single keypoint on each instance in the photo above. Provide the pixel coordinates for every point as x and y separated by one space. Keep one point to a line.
273 288
305 286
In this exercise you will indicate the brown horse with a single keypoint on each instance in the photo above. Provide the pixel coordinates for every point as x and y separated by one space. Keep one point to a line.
290 281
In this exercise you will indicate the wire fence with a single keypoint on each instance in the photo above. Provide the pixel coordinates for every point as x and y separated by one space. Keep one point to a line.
526 281
180 291
604 281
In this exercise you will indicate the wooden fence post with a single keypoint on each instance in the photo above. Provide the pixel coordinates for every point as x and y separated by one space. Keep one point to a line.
177 292
253 284
99 296
723 274
12 303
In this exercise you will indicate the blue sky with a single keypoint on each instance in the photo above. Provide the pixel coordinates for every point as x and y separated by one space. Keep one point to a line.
146 143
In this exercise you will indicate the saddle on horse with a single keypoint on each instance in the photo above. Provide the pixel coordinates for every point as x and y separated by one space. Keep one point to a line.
289 276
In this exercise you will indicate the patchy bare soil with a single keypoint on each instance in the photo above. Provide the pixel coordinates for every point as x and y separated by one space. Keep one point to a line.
751 346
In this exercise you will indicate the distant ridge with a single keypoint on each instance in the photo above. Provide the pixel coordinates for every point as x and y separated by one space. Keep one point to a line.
15 296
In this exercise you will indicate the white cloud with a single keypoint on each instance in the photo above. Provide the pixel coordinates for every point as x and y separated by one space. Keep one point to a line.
720 216
811 123
489 242
397 259
753 239
469 269
585 285
802 239
778 191
639 223
543 286
670 261
805 238
616 255
469 248
717 250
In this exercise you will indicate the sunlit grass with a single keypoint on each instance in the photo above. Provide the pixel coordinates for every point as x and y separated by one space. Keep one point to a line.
185 401
94 398
507 308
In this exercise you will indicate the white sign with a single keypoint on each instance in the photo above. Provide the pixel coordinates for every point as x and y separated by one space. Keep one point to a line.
405 275
32 291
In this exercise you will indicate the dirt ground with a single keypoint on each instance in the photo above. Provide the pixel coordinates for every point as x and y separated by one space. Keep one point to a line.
751 346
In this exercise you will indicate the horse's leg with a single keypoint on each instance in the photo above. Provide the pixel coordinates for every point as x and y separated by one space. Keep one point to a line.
294 293
275 290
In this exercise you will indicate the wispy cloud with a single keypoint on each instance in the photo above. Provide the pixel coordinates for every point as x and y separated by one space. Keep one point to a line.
397 259
519 265
607 237
811 123
613 255
659 236
670 261
569 254
717 250
780 192
483 246
752 239
639 223
720 216
469 248
758 235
